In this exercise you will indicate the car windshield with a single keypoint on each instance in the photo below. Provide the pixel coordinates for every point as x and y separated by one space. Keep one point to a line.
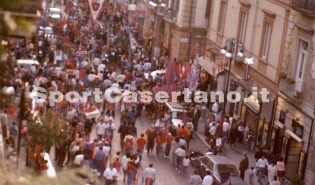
55 12
227 168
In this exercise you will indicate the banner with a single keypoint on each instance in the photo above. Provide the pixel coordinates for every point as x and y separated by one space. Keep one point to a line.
194 75
95 7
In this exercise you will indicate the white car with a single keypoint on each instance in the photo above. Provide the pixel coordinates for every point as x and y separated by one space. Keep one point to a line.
177 110
27 63
54 13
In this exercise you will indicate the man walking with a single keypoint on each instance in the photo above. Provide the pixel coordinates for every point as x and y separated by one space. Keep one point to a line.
180 154
195 179
196 117
148 175
208 179
110 175
243 165
262 165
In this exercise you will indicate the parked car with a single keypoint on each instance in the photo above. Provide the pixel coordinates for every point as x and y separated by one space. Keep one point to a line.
27 63
54 13
223 170
177 110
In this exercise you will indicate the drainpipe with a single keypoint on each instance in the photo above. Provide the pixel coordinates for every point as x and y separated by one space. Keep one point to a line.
253 36
308 145
189 27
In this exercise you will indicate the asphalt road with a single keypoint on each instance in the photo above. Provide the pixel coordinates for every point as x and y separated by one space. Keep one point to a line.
166 173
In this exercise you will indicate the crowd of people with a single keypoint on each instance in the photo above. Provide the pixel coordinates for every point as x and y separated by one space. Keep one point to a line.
83 54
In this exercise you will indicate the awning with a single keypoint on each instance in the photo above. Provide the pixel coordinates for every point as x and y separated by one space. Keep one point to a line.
293 135
212 67
278 124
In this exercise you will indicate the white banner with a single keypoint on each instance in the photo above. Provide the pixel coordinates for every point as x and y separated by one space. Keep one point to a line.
95 7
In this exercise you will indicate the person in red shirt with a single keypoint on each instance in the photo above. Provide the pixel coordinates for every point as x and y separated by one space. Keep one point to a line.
169 139
141 143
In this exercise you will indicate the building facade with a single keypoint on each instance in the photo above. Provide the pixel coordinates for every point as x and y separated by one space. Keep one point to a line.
293 126
180 28
258 26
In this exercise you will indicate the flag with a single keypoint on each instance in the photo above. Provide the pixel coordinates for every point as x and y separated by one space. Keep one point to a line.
194 75
95 7
170 75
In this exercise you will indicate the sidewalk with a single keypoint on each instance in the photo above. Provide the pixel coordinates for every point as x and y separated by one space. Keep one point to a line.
235 154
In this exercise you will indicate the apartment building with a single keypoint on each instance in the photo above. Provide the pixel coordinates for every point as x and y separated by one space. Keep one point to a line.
180 27
258 28
292 133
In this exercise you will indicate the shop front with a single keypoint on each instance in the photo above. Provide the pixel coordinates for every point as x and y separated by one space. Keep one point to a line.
255 114
291 136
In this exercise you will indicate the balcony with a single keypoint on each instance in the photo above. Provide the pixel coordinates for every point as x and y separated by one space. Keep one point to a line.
291 88
170 15
306 7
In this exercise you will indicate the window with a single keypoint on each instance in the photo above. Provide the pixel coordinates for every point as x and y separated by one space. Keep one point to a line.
242 26
301 59
265 42
222 16
208 9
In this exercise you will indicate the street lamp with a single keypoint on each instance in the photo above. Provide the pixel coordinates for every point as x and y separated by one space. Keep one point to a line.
232 49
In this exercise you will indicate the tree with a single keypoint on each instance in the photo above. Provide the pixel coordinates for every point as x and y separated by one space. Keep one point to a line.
46 131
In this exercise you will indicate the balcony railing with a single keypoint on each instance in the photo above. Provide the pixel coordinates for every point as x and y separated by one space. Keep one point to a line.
291 88
161 10
307 7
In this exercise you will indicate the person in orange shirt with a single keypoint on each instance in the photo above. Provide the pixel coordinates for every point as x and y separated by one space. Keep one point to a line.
182 133
116 164
141 143
159 142
169 139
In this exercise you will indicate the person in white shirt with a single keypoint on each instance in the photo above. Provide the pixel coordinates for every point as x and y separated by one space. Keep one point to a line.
110 175
180 154
78 160
225 128
124 163
195 179
110 127
148 175
100 129
208 179
272 172
213 130
218 143
215 107
186 162
121 78
101 68
262 165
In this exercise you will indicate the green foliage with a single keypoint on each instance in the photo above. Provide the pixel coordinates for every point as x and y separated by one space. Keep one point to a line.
43 134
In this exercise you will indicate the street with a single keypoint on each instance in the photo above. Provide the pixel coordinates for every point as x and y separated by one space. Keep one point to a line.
166 173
